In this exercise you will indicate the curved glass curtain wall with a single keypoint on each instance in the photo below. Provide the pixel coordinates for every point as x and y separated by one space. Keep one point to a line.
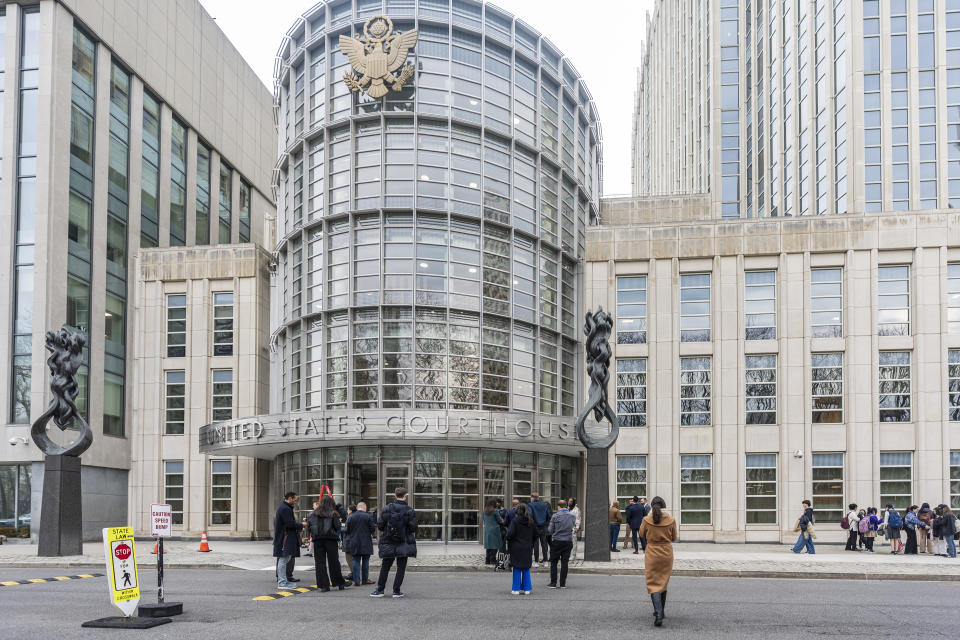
430 240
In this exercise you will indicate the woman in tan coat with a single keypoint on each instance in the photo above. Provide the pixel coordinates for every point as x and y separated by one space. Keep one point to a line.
660 530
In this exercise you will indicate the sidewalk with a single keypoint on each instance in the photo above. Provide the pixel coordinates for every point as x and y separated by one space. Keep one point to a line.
691 559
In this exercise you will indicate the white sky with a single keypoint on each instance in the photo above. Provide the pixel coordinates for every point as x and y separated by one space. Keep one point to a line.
601 37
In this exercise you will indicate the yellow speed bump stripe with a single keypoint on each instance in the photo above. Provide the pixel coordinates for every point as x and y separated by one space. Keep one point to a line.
286 593
13 583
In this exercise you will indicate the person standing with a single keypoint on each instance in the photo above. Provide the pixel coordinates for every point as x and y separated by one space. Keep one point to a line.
646 512
492 540
924 541
892 523
398 541
851 520
868 527
949 529
912 525
805 527
635 514
359 542
286 541
325 531
660 530
561 543
615 521
508 515
539 512
523 537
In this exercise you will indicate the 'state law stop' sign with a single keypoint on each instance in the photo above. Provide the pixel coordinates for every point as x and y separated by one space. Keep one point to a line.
161 520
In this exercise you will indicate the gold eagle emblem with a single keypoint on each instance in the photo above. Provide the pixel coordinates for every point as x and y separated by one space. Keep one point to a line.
376 56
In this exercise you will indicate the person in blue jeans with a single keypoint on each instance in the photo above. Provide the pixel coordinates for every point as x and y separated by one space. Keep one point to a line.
522 537
805 526
616 519
949 529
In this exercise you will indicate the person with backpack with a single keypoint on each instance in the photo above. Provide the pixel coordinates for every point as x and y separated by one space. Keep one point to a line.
860 543
522 535
911 523
805 527
358 541
539 512
868 528
849 522
924 539
398 541
892 524
324 527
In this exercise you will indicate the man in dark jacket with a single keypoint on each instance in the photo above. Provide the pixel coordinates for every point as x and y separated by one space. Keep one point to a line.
358 542
286 541
398 541
540 514
510 513
646 512
634 518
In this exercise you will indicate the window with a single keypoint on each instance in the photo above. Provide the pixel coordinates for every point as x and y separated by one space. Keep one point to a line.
760 305
632 392
955 480
893 301
953 297
631 478
762 488
226 204
176 326
761 390
223 324
895 386
695 307
176 391
203 194
632 310
695 389
953 390
178 183
827 387
221 491
695 489
222 394
173 488
826 303
827 496
896 475
113 402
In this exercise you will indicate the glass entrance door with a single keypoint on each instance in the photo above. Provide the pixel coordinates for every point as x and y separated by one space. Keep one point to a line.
362 485
394 475
428 492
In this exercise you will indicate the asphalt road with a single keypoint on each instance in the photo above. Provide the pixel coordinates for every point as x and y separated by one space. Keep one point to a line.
218 604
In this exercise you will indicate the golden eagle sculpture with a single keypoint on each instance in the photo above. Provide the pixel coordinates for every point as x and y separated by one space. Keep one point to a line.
376 56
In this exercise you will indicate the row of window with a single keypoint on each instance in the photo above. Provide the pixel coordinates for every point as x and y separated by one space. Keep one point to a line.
760 304
220 491
175 398
894 400
223 324
827 490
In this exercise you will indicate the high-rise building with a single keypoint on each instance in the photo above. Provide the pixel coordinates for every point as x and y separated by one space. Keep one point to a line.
425 309
785 108
131 130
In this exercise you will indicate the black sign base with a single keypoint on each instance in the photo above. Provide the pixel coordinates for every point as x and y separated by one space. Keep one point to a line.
160 610
123 622
596 544
61 518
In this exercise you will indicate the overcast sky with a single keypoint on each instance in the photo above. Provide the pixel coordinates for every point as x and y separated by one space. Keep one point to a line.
601 37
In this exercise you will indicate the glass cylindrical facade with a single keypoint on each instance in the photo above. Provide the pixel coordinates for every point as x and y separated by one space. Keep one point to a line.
431 240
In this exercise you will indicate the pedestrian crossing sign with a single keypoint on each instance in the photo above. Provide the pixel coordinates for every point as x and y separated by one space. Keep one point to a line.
121 560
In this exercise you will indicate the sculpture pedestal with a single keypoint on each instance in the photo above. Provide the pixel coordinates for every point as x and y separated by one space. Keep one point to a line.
596 544
61 516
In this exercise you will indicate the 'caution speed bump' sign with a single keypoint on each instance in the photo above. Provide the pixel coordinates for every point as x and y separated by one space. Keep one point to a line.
122 568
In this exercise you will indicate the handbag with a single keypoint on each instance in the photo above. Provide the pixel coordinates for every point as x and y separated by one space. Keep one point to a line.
810 532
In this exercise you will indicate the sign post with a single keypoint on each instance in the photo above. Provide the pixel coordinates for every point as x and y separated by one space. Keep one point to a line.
161 526
124 584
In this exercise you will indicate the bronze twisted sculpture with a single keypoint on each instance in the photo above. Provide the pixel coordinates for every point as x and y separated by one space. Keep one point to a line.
66 356
597 328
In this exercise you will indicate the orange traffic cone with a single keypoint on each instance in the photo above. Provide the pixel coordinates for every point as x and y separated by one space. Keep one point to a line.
203 542
154 548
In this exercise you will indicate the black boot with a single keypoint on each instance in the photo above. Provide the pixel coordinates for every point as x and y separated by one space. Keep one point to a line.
657 608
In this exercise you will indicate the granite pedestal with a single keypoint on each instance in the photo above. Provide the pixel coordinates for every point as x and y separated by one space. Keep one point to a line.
61 517
596 544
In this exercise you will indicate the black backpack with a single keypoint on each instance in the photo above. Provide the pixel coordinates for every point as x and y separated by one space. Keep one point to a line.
396 529
321 527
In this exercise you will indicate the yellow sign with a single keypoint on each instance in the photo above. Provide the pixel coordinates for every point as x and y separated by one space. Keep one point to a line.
121 559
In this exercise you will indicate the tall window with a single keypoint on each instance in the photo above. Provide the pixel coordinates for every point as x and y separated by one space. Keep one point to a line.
631 478
761 488
827 387
175 402
893 301
953 297
695 307
631 309
895 386
826 303
695 490
176 326
202 230
222 398
178 184
695 391
953 390
150 178
244 217
896 479
632 392
173 488
761 390
223 324
221 491
955 480
226 204
113 400
827 496
760 304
